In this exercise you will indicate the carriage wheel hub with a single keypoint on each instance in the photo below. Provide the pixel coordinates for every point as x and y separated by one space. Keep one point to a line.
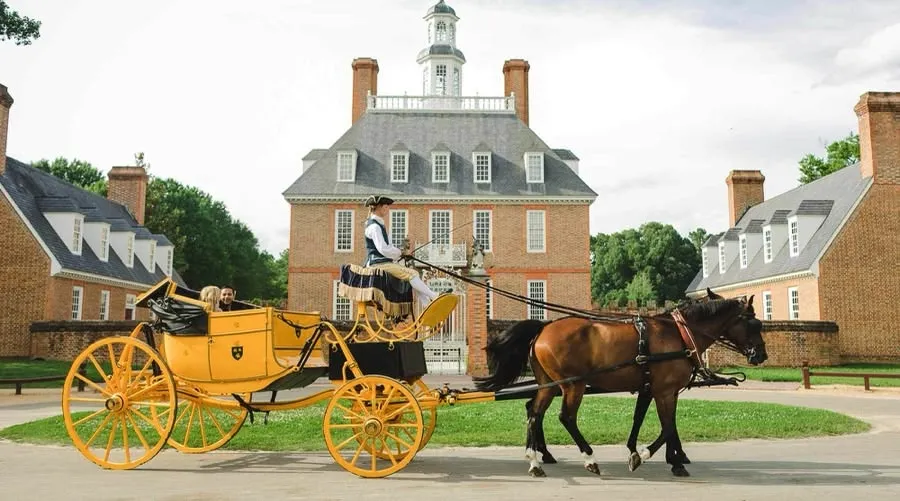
115 403
372 427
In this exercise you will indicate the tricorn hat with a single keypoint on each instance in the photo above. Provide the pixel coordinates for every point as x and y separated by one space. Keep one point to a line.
374 200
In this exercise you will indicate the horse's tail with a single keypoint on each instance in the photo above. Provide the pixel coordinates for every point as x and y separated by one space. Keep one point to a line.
507 355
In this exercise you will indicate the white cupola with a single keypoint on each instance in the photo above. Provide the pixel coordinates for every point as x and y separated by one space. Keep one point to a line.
440 60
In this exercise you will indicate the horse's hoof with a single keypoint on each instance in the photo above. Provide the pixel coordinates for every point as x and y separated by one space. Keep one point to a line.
634 461
593 468
537 471
548 458
685 460
680 471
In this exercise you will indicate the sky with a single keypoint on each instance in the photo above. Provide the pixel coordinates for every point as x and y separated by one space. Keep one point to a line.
659 99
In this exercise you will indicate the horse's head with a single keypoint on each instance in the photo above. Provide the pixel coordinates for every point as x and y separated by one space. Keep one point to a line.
731 322
746 333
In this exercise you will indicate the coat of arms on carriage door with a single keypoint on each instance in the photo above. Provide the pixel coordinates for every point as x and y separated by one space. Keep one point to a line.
237 351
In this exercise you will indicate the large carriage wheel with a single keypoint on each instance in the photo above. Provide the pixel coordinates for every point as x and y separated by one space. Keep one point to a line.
429 414
112 423
373 426
203 422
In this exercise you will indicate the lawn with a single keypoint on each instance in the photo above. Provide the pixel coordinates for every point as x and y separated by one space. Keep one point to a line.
795 375
603 420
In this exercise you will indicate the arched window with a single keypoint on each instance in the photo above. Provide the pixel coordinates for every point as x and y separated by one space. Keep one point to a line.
440 34
440 81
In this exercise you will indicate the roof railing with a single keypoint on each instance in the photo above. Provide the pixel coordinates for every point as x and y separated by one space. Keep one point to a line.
448 104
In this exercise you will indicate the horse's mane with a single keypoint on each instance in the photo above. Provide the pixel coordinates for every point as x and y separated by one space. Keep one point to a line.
696 310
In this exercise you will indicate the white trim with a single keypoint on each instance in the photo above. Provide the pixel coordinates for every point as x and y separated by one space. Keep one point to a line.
336 298
55 267
840 227
475 155
390 221
768 250
405 156
790 293
456 199
528 307
742 251
543 249
539 155
133 308
723 258
767 308
353 159
434 156
793 238
99 279
704 258
80 312
490 242
104 305
336 231
753 283
449 225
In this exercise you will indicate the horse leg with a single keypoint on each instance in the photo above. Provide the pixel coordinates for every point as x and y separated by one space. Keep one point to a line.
674 451
640 412
665 408
540 444
535 432
568 416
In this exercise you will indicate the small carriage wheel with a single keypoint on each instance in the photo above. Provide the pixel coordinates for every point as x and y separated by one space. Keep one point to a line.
373 426
112 423
203 422
429 412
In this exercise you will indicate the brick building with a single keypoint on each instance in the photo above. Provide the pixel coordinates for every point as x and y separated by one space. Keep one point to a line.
459 168
69 254
826 250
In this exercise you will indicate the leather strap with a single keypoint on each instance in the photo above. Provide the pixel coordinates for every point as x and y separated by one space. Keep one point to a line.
687 336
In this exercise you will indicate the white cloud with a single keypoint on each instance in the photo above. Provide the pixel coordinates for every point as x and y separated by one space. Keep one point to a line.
878 54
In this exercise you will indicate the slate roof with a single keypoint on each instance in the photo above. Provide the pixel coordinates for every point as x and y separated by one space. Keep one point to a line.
565 154
504 135
34 191
441 50
440 8
838 192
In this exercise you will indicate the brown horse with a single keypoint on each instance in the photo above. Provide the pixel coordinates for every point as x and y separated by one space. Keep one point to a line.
571 353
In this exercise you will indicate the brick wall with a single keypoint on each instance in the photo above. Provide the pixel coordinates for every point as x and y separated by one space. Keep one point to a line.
64 340
788 344
24 277
476 331
128 186
860 278
59 300
807 288
745 189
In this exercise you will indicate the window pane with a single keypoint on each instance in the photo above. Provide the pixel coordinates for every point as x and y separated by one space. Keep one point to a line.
342 307
536 230
398 227
440 227
398 168
537 291
343 230
483 228
482 168
441 168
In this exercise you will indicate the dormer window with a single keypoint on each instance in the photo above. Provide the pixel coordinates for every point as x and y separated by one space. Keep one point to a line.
104 243
705 255
169 262
534 167
346 166
721 257
482 163
743 245
152 259
440 167
794 236
767 244
76 236
129 250
399 166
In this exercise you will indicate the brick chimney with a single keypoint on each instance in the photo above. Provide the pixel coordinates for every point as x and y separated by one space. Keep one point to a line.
515 79
745 189
6 102
128 186
365 81
879 136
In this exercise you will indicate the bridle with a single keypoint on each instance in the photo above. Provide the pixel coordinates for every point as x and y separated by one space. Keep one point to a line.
688 336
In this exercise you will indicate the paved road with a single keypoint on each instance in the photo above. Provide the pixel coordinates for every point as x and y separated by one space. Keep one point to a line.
865 466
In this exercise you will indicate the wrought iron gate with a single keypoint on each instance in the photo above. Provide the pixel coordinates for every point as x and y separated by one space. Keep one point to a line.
447 352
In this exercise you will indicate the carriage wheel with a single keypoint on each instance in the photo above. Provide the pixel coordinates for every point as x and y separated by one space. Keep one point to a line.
204 423
373 426
112 422
429 414
429 418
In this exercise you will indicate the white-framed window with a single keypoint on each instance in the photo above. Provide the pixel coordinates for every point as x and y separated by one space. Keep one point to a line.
343 230
793 303
104 243
439 223
346 166
537 290
483 225
129 306
456 83
342 309
398 226
399 166
534 167
794 236
429 33
440 167
104 305
705 255
742 240
482 164
440 32
721 257
77 295
440 79
767 244
76 236
152 256
489 299
129 250
169 260
536 231
452 33
767 305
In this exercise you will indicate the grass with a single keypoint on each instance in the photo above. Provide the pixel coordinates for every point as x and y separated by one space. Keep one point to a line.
786 374
26 368
603 420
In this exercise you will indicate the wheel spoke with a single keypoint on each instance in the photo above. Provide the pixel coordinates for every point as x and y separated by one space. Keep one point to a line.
187 430
106 378
154 424
139 373
398 440
125 440
346 425
88 417
99 429
387 400
140 393
86 399
137 431
348 411
93 385
345 442
215 421
362 445
109 443
202 429
397 411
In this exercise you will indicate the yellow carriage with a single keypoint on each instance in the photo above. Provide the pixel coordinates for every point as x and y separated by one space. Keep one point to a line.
187 379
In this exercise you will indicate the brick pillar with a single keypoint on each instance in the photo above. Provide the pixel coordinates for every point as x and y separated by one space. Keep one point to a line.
476 328
365 82
745 189
6 102
879 136
515 79
128 186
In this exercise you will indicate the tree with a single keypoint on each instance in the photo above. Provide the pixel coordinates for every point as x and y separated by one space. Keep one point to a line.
77 172
697 237
651 262
18 28
838 154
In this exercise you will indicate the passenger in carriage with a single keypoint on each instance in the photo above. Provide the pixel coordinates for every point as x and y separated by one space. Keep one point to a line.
210 295
384 255
227 298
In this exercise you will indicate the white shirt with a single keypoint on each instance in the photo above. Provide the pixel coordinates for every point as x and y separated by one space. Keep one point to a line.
386 249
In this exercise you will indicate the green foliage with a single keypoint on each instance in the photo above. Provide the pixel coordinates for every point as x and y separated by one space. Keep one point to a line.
651 262
77 172
838 155
13 26
697 237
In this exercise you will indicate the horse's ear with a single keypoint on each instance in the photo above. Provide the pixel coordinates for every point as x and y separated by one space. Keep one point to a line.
750 301
712 295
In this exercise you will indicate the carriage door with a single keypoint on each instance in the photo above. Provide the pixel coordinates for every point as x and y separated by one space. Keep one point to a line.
446 351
